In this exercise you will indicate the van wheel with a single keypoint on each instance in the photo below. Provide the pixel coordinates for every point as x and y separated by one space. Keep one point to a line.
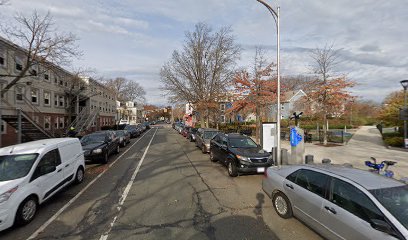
203 149
105 158
26 211
79 176
232 169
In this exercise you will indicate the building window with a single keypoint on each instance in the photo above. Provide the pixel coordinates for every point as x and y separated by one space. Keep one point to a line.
55 79
56 100
3 126
56 123
46 76
222 118
222 107
61 82
61 122
47 98
47 122
19 93
34 96
2 58
36 119
61 101
19 66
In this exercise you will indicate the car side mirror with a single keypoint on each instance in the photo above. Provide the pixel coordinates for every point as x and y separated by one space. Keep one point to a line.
382 226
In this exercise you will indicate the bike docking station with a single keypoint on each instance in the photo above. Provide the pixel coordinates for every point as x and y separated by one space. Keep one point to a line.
297 141
297 144
269 136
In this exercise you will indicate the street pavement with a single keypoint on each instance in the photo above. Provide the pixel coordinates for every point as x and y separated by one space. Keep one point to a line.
161 187
365 143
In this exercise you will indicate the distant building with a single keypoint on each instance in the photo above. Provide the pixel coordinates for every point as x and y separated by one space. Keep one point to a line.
293 101
129 112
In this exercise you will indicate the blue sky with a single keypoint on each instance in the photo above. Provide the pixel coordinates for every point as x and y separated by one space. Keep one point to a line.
134 38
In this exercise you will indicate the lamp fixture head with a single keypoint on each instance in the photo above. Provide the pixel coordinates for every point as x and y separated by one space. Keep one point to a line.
404 84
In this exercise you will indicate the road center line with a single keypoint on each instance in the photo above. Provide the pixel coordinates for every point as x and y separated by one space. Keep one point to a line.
56 215
126 191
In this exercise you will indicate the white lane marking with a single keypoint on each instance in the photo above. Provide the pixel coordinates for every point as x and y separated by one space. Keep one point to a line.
126 191
42 228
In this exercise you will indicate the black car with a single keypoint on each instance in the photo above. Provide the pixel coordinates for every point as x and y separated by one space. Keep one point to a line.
124 137
239 153
133 131
191 134
99 145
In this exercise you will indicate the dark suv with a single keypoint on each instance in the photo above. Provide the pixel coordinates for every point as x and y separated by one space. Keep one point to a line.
239 153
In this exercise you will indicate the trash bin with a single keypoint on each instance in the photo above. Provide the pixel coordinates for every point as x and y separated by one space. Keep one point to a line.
309 159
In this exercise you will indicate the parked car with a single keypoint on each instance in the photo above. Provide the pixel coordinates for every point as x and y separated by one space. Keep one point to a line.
191 134
340 202
32 172
147 125
185 131
99 145
133 131
124 137
203 138
239 153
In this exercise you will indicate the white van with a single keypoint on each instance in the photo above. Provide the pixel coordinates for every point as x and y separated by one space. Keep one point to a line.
32 172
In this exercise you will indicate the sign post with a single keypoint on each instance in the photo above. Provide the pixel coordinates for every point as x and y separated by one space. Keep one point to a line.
297 145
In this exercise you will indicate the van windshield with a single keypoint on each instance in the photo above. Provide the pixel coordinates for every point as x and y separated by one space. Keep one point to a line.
16 166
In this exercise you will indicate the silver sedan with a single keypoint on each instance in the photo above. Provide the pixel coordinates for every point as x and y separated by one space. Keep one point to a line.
340 202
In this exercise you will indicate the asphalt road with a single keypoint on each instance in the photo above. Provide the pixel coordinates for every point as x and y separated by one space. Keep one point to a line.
161 187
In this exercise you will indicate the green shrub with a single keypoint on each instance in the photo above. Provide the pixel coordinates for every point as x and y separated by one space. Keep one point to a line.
394 141
391 135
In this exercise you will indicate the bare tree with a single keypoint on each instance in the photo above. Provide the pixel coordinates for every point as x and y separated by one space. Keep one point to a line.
126 89
43 46
200 73
329 93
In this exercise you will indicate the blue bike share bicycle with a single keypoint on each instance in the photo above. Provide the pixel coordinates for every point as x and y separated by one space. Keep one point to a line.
381 168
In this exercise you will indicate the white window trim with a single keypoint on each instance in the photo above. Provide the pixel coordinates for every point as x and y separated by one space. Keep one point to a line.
45 121
22 93
38 96
3 53
17 60
61 123
49 99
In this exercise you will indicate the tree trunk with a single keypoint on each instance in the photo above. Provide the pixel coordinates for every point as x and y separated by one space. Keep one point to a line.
258 124
325 123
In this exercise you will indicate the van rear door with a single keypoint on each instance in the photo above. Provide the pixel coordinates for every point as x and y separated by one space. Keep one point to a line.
69 154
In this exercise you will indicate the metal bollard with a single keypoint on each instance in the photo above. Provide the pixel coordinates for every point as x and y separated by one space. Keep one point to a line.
309 159
284 156
326 161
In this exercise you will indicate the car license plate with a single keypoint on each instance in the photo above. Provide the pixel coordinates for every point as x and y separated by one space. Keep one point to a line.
260 169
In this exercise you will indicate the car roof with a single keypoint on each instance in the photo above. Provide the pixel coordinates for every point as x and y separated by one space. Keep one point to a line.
210 129
34 146
364 178
236 135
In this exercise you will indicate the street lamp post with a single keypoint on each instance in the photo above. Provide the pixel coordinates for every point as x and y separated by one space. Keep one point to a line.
404 84
275 15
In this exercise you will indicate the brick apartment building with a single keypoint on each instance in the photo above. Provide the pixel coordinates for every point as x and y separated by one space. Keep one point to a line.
48 101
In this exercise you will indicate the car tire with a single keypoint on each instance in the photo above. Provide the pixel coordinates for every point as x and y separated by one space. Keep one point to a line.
203 149
105 158
191 139
79 176
212 158
26 211
282 205
117 151
232 169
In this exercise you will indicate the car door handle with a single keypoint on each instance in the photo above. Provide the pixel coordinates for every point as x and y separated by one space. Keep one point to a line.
330 209
59 170
67 165
289 186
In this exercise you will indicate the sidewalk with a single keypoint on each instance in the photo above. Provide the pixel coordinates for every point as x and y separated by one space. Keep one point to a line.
365 143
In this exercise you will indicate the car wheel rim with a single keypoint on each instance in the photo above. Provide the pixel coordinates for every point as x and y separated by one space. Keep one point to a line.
281 205
230 168
80 175
29 209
